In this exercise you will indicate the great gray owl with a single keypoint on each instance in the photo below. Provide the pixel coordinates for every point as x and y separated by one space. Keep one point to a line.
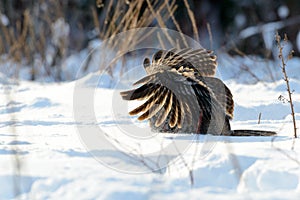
182 95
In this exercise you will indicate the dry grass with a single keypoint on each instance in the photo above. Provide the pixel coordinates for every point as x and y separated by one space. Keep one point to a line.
26 39
193 21
125 15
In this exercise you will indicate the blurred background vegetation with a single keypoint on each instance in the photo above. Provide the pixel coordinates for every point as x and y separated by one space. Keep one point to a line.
45 32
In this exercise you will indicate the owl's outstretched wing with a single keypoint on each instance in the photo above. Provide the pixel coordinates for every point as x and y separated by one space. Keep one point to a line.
174 96
202 60
181 92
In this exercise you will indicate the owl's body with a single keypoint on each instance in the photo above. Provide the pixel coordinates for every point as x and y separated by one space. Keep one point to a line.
183 96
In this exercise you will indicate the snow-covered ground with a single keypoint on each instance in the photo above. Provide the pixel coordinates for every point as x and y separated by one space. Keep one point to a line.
43 154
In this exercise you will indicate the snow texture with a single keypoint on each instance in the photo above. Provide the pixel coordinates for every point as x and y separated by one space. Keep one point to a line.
43 157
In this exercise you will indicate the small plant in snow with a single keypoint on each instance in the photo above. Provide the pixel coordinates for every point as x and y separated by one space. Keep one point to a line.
286 78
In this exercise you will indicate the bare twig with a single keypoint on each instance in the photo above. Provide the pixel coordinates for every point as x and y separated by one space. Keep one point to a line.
259 118
160 21
160 41
210 35
193 20
286 78
190 169
247 69
176 24
284 152
96 20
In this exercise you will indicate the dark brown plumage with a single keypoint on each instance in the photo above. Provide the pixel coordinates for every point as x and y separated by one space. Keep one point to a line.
183 96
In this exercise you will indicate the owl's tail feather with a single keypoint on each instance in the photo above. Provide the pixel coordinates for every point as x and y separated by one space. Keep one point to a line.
252 133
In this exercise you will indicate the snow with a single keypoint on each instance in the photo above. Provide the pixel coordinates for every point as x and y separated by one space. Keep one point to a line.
60 31
283 11
4 20
252 30
240 20
43 154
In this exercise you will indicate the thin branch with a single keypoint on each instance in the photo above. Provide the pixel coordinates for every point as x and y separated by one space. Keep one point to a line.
210 35
192 18
286 78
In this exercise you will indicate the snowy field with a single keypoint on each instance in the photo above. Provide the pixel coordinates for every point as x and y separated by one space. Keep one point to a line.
43 156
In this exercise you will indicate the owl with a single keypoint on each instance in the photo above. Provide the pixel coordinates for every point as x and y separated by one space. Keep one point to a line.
181 94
